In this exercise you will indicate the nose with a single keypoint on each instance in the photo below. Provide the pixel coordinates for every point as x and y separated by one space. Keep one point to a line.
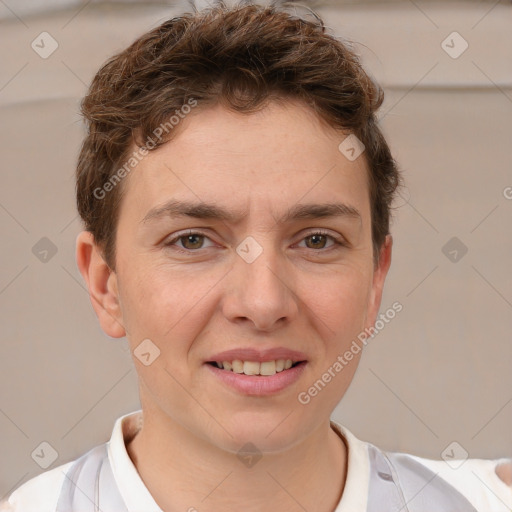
260 290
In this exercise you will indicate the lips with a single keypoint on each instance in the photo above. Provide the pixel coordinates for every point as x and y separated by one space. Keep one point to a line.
258 356
255 362
258 385
258 372
255 367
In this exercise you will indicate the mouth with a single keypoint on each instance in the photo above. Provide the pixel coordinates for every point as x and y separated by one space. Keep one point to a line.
256 368
257 378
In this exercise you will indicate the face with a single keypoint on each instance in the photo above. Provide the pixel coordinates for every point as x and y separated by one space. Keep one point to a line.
268 272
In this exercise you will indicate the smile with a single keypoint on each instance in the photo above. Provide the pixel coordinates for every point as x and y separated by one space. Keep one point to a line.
255 378
266 368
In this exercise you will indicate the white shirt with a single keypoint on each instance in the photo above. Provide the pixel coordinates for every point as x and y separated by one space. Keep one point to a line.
475 478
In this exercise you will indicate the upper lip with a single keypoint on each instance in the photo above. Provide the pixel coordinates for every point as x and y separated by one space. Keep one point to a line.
258 355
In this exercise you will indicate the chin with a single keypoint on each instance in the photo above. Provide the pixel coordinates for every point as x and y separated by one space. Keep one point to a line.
268 432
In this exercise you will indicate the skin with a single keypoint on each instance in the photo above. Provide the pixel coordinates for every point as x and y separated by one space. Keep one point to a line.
504 472
301 293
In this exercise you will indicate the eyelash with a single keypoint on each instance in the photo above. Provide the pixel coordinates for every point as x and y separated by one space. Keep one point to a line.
170 243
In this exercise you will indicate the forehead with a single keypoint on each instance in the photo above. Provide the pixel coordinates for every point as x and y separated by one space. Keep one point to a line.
281 155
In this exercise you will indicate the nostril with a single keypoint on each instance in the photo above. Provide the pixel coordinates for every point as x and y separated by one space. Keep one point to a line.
504 472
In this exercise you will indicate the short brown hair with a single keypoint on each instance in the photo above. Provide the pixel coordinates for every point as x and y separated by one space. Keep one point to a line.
241 57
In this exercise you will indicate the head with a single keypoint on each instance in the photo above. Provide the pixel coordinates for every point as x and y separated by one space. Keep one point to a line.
221 214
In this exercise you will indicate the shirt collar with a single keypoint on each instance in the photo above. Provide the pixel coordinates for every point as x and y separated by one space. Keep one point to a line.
131 487
138 498
355 492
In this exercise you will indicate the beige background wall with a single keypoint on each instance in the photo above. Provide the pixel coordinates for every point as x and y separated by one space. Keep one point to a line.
439 372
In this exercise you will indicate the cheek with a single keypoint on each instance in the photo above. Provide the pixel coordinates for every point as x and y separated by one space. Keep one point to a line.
166 309
166 302
339 301
165 305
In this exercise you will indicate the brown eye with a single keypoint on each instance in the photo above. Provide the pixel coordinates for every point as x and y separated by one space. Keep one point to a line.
188 242
194 241
317 241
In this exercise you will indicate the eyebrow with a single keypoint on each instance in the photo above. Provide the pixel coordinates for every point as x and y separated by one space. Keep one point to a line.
200 210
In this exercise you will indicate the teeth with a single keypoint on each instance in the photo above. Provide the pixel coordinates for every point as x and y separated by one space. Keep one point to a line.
238 366
268 368
251 368
256 368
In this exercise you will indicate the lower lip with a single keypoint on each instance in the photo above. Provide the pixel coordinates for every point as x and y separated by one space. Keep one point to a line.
259 385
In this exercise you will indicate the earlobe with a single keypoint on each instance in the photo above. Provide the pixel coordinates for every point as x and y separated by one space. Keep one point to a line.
101 282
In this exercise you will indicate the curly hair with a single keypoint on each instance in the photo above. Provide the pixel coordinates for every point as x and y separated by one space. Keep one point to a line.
241 57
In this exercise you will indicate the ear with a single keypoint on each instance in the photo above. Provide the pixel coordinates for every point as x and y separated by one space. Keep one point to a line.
102 285
379 277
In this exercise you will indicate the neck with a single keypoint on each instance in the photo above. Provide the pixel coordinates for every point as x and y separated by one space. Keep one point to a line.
184 472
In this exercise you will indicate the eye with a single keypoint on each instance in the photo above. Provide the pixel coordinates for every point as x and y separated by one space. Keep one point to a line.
191 241
319 238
